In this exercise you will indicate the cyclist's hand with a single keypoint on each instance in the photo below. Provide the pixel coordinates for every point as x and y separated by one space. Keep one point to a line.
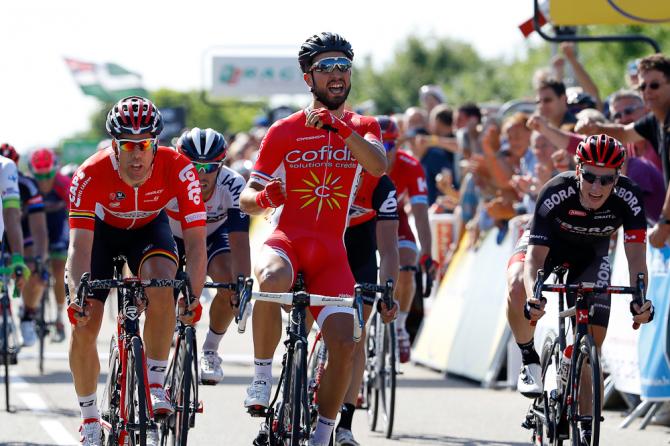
21 272
641 314
388 315
192 314
78 316
320 117
273 196
535 309
429 266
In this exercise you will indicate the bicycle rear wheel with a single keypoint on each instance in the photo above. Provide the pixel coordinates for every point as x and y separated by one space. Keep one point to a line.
586 363
136 394
316 365
370 388
386 378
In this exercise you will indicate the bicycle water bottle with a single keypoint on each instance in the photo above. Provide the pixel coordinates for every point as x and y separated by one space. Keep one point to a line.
566 358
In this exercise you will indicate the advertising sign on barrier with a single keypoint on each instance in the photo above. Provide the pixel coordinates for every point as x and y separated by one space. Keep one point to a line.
444 229
654 347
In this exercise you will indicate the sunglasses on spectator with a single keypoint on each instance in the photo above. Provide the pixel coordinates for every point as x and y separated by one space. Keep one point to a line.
45 176
329 64
129 145
605 180
654 85
626 112
206 167
389 145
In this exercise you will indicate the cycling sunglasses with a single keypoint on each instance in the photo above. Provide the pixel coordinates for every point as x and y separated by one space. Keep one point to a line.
654 85
329 64
44 176
129 145
389 145
206 167
626 112
605 180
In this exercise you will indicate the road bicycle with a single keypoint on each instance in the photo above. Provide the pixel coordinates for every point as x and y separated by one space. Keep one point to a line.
126 410
557 414
9 341
287 421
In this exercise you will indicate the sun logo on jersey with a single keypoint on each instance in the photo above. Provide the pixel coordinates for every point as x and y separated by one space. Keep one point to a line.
325 191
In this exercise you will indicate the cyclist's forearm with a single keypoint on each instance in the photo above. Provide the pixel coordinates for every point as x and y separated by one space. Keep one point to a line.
248 203
420 213
37 221
636 254
241 258
370 155
196 257
387 245
78 258
12 219
535 257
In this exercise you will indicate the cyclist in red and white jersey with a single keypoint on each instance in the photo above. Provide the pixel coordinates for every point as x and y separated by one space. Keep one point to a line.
117 197
227 235
310 174
410 181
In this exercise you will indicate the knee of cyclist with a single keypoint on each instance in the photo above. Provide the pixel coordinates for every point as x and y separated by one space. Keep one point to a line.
343 350
274 280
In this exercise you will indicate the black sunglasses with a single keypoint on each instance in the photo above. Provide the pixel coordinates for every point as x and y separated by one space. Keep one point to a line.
652 86
591 178
329 64
626 111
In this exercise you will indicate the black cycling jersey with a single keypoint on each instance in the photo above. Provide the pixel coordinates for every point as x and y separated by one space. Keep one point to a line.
560 218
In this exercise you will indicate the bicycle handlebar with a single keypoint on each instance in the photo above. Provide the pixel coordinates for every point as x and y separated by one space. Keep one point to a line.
290 298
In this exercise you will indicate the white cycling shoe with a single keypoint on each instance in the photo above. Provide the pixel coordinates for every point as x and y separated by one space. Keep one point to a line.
28 333
258 393
529 383
344 437
90 433
160 400
211 372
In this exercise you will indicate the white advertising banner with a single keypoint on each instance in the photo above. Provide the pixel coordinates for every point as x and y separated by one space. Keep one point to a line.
236 76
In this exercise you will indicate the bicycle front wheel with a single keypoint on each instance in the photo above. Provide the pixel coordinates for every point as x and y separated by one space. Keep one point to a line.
298 391
544 407
136 394
586 396
386 378
4 347
370 388
185 407
41 327
110 396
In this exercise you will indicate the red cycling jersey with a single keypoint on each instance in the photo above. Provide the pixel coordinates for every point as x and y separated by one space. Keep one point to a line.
97 190
319 172
409 178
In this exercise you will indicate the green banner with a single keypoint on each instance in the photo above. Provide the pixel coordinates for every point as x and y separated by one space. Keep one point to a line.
77 150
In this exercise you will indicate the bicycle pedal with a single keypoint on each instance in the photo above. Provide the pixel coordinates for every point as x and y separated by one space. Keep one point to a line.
257 411
200 408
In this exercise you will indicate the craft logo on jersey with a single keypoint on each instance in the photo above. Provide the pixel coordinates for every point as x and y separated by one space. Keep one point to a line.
118 195
320 191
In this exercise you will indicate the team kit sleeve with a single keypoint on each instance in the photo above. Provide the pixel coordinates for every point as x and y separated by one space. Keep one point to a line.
9 184
82 198
385 200
186 184
417 188
270 155
540 226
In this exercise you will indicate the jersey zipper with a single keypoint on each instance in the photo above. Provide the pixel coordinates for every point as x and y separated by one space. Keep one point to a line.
136 189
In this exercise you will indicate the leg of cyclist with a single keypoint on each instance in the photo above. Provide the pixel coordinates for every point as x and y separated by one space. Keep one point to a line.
275 273
404 293
32 292
58 272
530 379
221 313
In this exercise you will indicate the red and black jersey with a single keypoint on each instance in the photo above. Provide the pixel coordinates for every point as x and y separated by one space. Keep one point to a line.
375 197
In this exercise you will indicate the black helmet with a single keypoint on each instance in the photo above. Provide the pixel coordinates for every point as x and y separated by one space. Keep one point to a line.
322 43
202 145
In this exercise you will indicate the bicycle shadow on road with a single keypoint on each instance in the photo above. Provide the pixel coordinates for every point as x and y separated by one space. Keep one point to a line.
450 441
51 412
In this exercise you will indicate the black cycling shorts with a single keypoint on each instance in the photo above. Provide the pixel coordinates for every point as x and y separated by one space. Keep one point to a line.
137 245
361 244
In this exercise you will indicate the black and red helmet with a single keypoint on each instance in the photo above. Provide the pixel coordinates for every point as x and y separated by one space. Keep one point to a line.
134 115
389 128
602 151
8 151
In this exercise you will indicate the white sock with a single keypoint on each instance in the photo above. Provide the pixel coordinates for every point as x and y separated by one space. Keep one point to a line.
263 367
88 405
400 322
156 371
212 341
323 431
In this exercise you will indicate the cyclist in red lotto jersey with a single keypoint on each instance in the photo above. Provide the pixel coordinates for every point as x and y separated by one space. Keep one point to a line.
117 199
310 173
410 181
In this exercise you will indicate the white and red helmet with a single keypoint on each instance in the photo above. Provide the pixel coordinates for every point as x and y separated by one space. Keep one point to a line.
134 115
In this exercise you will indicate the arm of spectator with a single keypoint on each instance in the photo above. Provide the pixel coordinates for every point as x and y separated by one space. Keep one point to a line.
500 172
624 133
447 143
582 76
500 209
660 233
559 138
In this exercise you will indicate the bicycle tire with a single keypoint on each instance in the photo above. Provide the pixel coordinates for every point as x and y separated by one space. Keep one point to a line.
138 391
387 377
5 350
184 390
110 395
298 392
586 352
371 390
167 425
313 379
546 425
41 327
